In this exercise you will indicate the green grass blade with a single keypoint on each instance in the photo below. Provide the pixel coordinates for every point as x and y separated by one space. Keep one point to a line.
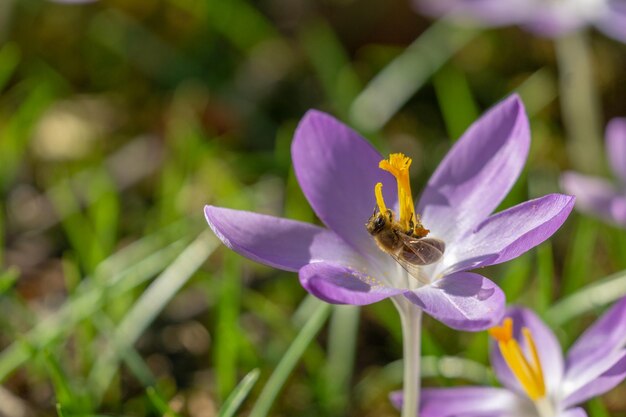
149 305
131 357
159 403
91 298
588 299
406 74
67 394
10 56
241 392
276 381
597 408
8 279
545 277
577 268
537 91
455 100
227 326
342 341
332 66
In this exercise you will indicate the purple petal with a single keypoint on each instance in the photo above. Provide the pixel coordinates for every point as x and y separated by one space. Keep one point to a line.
549 349
596 196
616 145
467 402
463 301
488 12
555 19
613 23
574 412
478 171
604 338
337 170
281 243
609 371
510 233
339 284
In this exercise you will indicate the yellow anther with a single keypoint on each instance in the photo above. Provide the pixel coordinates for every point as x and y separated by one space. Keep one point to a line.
536 362
378 190
528 373
398 165
504 332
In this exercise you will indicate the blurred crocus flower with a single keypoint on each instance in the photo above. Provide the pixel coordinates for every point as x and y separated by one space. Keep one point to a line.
340 263
537 381
552 18
598 196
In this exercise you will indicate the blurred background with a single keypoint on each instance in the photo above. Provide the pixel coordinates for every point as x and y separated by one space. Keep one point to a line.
120 119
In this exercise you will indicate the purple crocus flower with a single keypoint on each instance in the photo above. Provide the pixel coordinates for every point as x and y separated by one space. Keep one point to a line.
552 18
341 263
598 196
537 381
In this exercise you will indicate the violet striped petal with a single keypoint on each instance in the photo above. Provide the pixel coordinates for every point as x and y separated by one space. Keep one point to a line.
337 170
596 196
339 284
478 172
463 301
605 337
510 233
468 402
550 354
598 378
616 144
281 243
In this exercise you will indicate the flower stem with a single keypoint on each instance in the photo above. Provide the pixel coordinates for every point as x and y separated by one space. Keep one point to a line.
580 105
411 319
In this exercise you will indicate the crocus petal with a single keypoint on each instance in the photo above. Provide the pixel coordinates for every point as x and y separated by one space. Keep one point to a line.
510 233
605 337
600 383
616 144
338 284
463 301
337 170
613 23
596 196
488 12
549 349
574 412
478 171
281 243
554 19
467 402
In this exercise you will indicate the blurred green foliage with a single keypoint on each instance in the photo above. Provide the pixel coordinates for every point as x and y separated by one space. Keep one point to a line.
120 119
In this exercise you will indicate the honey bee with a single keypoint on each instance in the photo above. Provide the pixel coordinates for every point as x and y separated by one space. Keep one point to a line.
409 250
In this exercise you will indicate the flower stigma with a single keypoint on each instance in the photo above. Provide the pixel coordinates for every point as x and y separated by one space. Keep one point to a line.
398 165
528 371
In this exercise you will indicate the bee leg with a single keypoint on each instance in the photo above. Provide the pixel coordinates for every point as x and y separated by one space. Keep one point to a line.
390 215
411 226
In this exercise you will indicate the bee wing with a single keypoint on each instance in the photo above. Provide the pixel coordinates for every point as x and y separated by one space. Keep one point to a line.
411 267
421 251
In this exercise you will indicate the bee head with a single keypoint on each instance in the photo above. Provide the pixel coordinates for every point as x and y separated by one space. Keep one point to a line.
378 221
